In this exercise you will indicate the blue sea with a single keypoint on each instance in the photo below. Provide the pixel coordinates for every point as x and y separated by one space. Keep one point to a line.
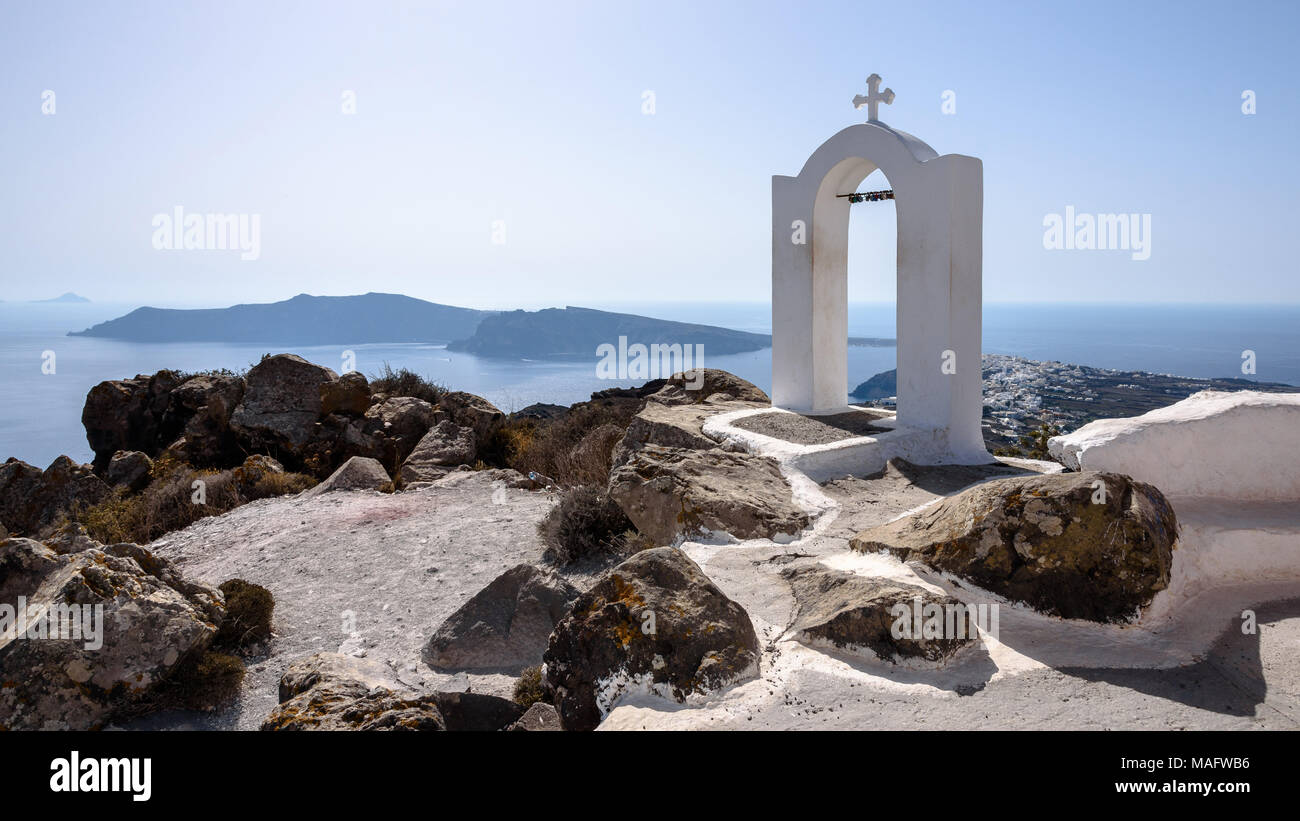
41 414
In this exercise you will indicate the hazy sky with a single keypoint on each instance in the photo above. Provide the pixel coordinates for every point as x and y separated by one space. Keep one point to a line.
532 114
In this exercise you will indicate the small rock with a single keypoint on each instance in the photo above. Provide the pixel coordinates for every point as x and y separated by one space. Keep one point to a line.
357 473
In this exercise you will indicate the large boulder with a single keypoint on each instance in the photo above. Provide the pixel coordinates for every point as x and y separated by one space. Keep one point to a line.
1094 546
445 445
505 626
331 691
348 395
672 493
707 384
129 469
281 404
136 621
394 427
200 408
857 613
655 621
470 411
31 500
127 414
357 473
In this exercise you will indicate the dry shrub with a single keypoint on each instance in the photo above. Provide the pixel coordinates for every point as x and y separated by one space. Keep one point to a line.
248 615
405 382
530 689
171 501
551 447
585 524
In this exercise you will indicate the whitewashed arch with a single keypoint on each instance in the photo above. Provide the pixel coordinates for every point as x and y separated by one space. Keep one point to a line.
939 204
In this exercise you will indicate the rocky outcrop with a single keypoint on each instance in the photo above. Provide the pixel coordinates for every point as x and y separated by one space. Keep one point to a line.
348 395
330 691
127 414
357 473
667 426
470 411
31 499
200 408
710 385
505 626
129 469
135 621
894 621
392 428
672 493
1094 546
281 405
654 621
444 446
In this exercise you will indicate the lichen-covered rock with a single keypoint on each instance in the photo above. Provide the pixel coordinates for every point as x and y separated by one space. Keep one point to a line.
129 469
281 404
445 445
673 493
330 691
892 620
31 500
125 620
357 473
654 621
348 395
505 626
1094 546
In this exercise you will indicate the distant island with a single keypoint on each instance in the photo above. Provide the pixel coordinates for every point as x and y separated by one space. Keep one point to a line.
67 297
302 320
394 318
574 331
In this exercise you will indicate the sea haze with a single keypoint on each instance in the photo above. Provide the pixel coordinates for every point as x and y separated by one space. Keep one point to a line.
41 417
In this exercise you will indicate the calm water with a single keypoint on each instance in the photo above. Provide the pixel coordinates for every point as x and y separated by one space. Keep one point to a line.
41 414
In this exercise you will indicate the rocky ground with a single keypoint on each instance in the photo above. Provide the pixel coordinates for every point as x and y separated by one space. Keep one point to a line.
713 585
362 573
403 563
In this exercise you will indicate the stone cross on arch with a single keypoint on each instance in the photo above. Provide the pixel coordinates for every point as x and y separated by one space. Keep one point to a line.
874 98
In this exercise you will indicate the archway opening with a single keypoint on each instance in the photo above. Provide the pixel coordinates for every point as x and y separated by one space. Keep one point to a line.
872 271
